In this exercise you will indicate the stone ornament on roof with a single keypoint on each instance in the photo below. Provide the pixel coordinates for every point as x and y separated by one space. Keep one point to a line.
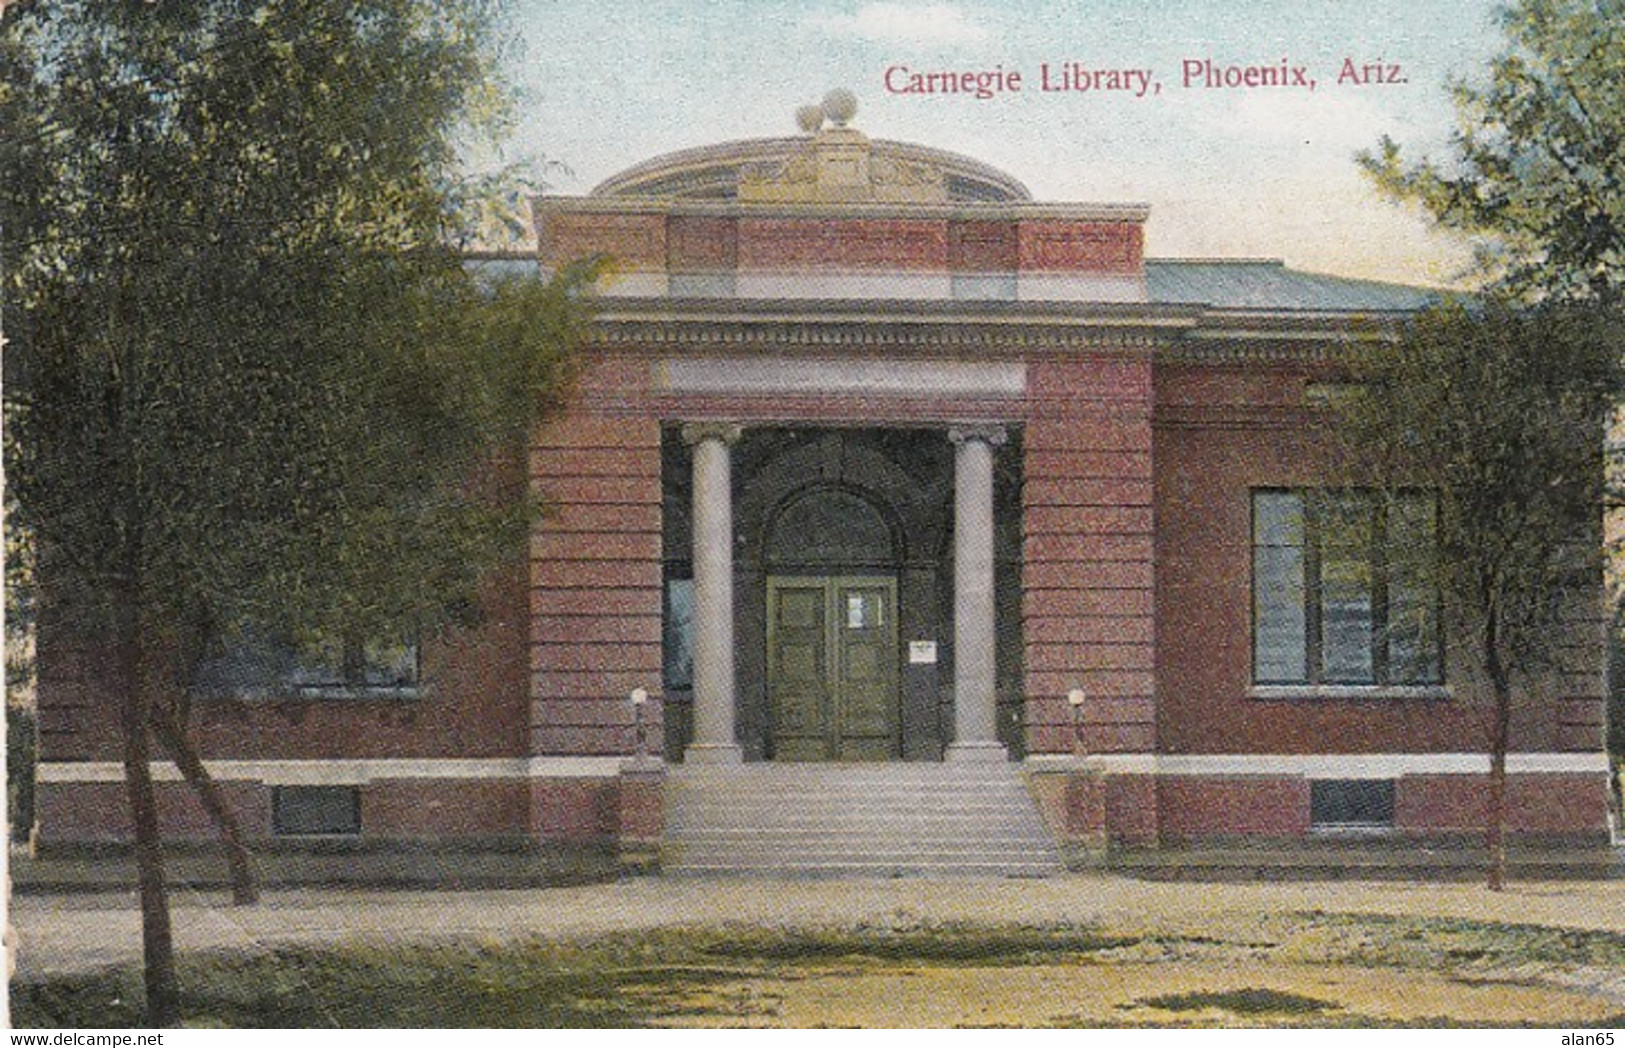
837 165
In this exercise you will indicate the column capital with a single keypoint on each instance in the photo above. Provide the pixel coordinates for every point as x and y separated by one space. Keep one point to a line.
727 432
990 434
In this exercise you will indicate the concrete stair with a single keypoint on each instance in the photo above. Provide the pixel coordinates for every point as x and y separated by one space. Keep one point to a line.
852 820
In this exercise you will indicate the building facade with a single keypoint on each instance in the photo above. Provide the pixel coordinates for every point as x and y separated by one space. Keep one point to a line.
877 461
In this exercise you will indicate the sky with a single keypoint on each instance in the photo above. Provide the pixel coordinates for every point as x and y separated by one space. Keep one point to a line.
1252 171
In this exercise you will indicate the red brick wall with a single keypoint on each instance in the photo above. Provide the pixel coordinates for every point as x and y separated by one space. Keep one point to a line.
575 809
1220 433
654 242
1217 806
843 243
441 809
982 246
97 812
1087 520
633 242
1067 245
596 587
696 244
1131 810
472 703
1553 803
396 809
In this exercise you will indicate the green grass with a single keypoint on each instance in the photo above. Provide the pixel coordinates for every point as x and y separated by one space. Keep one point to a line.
948 945
1455 942
1249 1001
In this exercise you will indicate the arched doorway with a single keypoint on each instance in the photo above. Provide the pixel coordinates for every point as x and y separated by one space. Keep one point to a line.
832 638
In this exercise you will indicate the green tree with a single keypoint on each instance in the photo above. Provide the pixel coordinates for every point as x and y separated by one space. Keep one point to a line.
253 388
1535 174
1536 167
1500 413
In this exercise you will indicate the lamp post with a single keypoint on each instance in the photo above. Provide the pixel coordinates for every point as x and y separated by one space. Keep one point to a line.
640 730
1074 701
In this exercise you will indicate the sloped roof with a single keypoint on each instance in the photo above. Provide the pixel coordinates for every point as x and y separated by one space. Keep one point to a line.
1267 284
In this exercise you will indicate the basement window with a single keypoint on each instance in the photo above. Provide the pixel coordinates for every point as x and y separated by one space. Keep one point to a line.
316 811
1351 804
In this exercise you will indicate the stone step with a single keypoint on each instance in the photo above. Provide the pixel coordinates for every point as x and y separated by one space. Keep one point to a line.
950 830
690 860
855 820
756 816
906 868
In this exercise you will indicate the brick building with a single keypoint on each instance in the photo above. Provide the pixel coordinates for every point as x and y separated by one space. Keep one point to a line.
939 527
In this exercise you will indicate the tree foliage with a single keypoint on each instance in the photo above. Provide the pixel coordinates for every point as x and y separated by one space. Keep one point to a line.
1536 166
250 363
253 387
1501 413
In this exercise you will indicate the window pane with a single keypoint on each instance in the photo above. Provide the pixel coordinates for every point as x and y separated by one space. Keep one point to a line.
390 664
242 666
321 666
1413 604
677 635
1345 528
1279 628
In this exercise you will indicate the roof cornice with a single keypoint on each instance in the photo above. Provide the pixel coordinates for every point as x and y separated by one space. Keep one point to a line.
1193 333
953 210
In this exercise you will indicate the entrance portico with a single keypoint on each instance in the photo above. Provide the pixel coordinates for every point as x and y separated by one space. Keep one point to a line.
863 575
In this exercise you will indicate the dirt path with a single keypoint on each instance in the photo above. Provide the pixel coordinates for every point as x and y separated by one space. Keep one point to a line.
1335 954
77 933
1178 994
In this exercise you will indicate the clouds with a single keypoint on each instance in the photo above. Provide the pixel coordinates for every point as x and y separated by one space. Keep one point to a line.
902 23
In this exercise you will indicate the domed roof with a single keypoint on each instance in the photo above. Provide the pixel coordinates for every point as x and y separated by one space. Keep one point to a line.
715 173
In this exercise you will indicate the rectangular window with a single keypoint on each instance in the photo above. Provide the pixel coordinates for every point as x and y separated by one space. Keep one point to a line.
356 667
677 635
316 811
255 667
1343 591
1352 804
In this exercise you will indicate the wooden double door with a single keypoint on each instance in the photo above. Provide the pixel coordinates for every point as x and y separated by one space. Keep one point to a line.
832 673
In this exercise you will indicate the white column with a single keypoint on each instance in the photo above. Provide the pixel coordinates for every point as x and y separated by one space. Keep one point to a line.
975 696
714 741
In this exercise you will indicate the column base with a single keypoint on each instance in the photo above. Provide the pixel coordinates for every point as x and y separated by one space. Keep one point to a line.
977 752
714 753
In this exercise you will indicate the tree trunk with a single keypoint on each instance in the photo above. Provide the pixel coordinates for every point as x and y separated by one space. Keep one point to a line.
1500 732
157 939
170 731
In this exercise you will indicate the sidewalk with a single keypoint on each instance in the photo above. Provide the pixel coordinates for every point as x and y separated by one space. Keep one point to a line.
66 933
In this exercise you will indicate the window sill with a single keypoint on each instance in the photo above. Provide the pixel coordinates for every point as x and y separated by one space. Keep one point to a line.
1354 829
1345 692
337 835
320 695
404 694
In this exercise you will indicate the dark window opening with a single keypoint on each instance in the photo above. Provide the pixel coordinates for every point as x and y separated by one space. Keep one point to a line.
356 665
1351 803
254 666
677 635
316 811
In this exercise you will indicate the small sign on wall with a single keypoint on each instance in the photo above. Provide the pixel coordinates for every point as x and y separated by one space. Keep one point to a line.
922 652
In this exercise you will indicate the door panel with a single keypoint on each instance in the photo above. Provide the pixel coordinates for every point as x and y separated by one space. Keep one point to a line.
798 668
832 668
865 684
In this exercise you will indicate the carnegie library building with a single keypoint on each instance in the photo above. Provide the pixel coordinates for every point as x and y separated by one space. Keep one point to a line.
900 523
